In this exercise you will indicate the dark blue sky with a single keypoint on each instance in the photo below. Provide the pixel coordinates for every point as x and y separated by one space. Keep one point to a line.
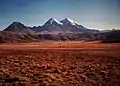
102 14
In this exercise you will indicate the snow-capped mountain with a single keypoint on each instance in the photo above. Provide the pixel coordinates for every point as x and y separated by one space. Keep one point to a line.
66 25
19 28
73 26
52 24
52 21
68 21
66 29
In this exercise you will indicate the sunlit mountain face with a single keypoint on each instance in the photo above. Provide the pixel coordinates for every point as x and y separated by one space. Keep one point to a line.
95 14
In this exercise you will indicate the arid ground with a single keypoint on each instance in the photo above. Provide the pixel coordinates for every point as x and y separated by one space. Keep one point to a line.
60 64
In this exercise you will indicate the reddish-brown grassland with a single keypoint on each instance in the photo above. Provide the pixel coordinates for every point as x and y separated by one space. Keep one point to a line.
51 63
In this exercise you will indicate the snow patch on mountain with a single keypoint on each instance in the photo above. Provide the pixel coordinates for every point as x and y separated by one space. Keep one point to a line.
69 21
54 20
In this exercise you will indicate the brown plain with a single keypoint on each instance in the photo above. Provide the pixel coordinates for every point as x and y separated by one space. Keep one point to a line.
51 63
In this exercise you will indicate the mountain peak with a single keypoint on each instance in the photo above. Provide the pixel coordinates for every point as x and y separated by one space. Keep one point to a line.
16 23
53 21
68 21
18 28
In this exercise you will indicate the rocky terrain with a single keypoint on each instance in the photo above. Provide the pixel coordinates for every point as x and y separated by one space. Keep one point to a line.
60 64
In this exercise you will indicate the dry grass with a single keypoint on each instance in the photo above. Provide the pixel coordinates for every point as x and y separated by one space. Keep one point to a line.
60 64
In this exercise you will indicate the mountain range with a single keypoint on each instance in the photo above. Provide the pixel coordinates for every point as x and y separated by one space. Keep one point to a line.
63 25
62 30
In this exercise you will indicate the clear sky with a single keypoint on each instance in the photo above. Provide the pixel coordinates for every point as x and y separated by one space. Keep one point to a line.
101 14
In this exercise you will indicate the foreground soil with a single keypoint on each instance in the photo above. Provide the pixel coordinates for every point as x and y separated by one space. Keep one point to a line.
60 64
